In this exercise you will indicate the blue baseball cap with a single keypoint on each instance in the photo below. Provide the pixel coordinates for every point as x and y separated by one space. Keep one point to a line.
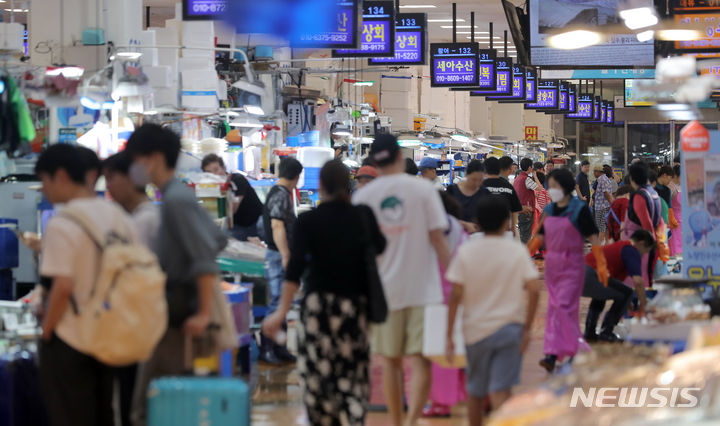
429 163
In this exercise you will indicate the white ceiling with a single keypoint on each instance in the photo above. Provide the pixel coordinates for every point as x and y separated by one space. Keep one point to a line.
486 11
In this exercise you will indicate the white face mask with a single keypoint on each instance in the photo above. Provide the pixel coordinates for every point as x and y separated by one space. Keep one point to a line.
556 194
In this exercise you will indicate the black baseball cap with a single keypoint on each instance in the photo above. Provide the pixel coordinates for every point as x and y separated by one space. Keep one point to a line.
384 149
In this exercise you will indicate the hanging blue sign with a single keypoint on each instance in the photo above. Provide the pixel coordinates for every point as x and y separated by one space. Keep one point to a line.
547 95
610 115
344 32
572 99
531 85
584 107
503 79
454 65
377 37
410 41
518 89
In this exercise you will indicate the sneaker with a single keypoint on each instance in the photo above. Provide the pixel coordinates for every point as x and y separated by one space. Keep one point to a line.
436 410
267 356
609 337
283 354
548 363
590 338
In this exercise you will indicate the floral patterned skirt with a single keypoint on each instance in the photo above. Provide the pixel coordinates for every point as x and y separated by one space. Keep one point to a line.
334 359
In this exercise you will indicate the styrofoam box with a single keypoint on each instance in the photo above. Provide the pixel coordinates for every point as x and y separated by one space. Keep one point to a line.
195 63
167 96
11 36
197 34
149 56
159 76
199 88
168 57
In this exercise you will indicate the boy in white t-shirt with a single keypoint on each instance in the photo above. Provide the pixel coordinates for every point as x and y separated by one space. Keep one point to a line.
77 387
413 221
496 282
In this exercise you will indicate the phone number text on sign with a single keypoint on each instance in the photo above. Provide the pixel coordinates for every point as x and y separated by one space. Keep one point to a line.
208 6
454 70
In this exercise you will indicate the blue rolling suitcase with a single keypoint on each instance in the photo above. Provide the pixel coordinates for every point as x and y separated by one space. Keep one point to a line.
194 401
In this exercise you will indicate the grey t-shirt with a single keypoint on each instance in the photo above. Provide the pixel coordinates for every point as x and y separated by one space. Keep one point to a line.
188 243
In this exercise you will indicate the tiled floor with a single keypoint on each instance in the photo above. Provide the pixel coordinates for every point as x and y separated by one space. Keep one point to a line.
277 398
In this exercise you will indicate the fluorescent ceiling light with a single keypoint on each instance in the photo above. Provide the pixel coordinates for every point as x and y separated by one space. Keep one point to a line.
418 6
254 110
16 10
449 27
679 35
364 83
645 36
446 20
576 39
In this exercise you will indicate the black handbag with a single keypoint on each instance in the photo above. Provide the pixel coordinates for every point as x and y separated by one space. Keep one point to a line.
377 308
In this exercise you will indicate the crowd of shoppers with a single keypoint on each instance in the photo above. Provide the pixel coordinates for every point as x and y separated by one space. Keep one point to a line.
393 227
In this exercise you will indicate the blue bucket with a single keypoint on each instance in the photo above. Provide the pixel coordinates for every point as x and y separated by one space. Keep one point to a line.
292 141
312 178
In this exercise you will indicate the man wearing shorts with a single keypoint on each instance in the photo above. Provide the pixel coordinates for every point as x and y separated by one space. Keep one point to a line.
496 317
412 219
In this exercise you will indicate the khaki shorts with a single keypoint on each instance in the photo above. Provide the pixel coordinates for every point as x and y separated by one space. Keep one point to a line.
401 334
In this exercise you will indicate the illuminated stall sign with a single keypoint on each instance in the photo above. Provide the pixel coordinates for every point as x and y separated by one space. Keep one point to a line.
410 41
547 95
572 99
584 107
454 65
563 99
518 86
378 32
344 36
610 115
503 79
531 85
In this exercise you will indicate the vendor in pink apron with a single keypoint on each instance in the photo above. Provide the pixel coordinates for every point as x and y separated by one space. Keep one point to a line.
676 188
644 212
566 223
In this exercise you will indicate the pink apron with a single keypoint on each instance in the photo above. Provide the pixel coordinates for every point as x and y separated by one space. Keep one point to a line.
676 238
564 278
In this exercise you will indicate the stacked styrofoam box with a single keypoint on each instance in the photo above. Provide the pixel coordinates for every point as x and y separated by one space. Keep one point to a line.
397 95
149 56
199 79
199 89
167 94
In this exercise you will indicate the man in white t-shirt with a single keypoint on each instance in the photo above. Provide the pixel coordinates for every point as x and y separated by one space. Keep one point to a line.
413 220
77 387
496 282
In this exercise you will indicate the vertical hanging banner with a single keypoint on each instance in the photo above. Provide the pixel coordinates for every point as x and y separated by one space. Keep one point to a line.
410 41
454 65
701 202
531 133
377 38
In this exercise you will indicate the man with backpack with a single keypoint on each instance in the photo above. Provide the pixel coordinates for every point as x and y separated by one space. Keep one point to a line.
187 246
78 387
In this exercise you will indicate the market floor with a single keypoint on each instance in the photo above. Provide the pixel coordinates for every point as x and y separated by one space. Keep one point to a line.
277 398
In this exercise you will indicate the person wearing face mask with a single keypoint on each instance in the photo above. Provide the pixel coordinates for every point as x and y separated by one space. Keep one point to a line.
187 245
566 223
246 207
467 192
